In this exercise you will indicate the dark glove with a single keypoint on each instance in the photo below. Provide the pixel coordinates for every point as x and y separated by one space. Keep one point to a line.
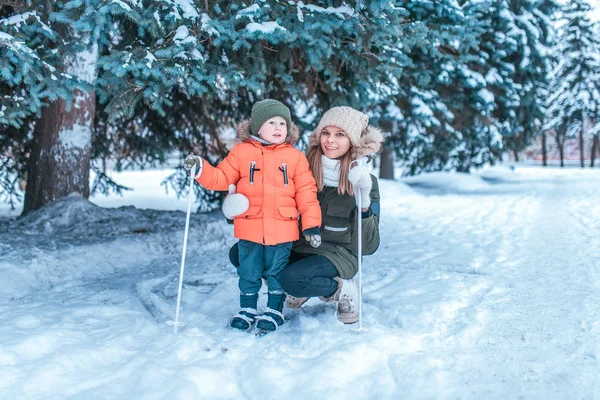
313 236
192 160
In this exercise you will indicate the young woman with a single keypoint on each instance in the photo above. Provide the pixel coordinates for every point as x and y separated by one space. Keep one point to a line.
342 137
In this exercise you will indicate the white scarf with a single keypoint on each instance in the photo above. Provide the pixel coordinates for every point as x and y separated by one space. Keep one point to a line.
331 171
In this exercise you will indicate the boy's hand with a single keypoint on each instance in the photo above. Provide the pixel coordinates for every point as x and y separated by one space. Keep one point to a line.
192 160
313 236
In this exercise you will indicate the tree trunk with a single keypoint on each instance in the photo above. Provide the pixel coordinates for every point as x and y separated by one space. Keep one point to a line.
561 152
598 146
581 155
595 147
544 151
558 135
386 167
516 154
60 158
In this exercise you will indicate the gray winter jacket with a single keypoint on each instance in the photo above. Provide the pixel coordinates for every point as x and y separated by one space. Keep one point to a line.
339 230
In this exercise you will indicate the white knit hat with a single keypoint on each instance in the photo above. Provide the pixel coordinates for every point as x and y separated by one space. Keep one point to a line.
351 121
365 139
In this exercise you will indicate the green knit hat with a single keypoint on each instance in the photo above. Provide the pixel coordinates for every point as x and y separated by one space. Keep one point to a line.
264 110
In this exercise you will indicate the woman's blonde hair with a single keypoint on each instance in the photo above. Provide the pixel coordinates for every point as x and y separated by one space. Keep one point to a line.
314 156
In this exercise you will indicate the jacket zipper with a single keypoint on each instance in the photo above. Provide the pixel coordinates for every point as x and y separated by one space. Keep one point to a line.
252 169
283 168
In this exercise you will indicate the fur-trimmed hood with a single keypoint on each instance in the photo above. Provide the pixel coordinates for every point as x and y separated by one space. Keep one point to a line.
369 143
244 133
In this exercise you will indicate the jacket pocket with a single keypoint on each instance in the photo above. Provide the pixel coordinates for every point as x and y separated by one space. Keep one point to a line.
251 213
287 213
338 215
337 224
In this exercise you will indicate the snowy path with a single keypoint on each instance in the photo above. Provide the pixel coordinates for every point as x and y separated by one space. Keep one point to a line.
477 291
521 309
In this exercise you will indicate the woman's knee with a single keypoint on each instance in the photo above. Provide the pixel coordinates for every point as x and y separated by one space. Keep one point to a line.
291 281
285 279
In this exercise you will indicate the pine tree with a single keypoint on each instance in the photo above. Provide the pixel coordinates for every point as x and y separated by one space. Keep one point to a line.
498 43
309 55
474 102
26 79
179 75
532 28
443 112
449 78
575 85
53 60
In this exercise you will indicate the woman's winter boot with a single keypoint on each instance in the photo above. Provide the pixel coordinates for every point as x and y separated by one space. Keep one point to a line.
295 302
346 296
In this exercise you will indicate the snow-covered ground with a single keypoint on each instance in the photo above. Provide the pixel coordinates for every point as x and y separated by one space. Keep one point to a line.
484 287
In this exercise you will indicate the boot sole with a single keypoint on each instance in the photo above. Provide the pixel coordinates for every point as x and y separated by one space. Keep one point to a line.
348 320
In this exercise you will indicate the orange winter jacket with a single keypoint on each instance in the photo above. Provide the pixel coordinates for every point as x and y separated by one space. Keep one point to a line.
276 180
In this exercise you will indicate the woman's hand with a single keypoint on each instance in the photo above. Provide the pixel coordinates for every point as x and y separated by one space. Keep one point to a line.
360 178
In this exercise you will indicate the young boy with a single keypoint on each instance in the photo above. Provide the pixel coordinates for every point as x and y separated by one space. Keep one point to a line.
276 180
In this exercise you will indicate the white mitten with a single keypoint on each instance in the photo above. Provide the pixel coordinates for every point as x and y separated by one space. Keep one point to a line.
365 198
360 177
235 203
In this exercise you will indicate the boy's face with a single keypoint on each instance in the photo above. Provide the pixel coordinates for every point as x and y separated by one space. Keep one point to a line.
274 130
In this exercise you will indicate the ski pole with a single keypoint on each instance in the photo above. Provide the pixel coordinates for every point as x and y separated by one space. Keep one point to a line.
177 324
357 194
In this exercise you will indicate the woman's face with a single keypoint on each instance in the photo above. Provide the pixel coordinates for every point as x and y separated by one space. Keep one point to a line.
334 142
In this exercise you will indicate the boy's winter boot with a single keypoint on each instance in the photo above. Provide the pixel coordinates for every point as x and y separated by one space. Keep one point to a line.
346 296
246 317
295 302
272 318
